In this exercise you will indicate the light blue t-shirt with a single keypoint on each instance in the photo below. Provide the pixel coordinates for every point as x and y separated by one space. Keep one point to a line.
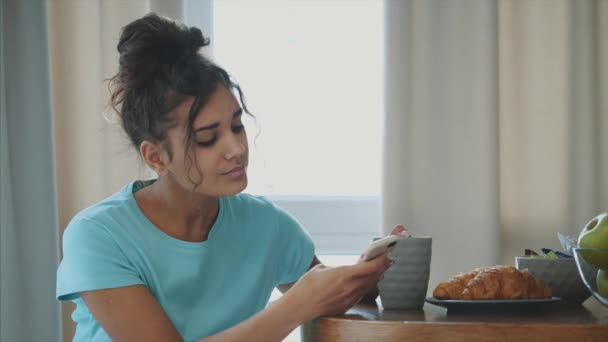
204 287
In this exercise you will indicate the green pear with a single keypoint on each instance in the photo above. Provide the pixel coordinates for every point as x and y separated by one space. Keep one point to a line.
595 235
602 283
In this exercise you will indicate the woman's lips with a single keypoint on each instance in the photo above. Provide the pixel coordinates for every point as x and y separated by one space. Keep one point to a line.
235 173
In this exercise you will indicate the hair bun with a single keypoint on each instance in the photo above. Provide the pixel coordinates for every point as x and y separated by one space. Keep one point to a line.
154 42
197 40
171 46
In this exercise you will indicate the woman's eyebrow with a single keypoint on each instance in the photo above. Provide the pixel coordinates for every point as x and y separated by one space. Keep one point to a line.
236 114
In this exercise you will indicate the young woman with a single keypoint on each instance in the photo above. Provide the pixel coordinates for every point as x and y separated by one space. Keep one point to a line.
187 256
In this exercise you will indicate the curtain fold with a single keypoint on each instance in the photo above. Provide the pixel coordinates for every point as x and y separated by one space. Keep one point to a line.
440 149
28 212
94 157
552 149
494 118
601 98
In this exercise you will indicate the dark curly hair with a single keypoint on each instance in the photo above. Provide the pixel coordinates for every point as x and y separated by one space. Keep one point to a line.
159 66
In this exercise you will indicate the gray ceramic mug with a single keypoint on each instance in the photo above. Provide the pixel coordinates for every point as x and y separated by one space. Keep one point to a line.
406 282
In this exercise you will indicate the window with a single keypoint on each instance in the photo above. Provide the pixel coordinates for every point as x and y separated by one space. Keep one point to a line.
312 75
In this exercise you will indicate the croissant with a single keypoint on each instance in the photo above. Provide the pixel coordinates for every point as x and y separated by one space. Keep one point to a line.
453 288
496 283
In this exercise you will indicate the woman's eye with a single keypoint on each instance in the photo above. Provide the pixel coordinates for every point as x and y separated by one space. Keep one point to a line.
206 143
238 129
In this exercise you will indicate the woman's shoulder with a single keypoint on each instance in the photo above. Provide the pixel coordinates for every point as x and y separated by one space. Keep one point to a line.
117 206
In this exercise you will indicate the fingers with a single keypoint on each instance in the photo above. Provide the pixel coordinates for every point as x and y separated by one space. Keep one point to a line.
356 289
355 282
363 285
400 231
378 264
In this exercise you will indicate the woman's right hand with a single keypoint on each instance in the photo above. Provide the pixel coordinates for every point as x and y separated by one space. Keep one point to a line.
327 290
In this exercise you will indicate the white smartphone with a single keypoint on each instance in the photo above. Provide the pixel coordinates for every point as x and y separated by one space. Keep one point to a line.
380 246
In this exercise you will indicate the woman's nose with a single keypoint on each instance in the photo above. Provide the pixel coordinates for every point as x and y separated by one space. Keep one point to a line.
235 147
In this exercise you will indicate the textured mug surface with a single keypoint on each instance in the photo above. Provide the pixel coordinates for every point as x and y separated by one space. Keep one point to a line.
405 283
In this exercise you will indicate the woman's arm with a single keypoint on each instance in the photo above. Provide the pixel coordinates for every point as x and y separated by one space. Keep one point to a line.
368 298
284 287
321 291
131 313
273 323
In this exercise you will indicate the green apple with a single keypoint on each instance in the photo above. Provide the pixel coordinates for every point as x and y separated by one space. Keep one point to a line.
602 283
595 235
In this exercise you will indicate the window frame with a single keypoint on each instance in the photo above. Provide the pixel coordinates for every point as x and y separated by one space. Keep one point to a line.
338 225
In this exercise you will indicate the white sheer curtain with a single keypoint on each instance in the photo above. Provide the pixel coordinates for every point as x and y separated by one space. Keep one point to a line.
93 157
494 118
553 112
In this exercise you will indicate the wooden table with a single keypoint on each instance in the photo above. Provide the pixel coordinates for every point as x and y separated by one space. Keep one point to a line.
555 322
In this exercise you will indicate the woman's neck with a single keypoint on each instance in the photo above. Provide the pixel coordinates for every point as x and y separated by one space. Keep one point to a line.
178 212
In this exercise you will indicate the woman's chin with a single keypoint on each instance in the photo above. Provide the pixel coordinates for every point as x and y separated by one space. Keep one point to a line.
235 187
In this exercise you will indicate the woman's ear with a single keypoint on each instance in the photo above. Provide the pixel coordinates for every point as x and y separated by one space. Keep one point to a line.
155 156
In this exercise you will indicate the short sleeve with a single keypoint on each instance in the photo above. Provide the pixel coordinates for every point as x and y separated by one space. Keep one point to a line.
297 250
92 260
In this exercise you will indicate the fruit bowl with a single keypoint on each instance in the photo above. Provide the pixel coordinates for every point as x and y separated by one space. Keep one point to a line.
561 275
591 282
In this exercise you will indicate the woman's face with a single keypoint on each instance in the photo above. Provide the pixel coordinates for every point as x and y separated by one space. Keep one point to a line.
218 153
